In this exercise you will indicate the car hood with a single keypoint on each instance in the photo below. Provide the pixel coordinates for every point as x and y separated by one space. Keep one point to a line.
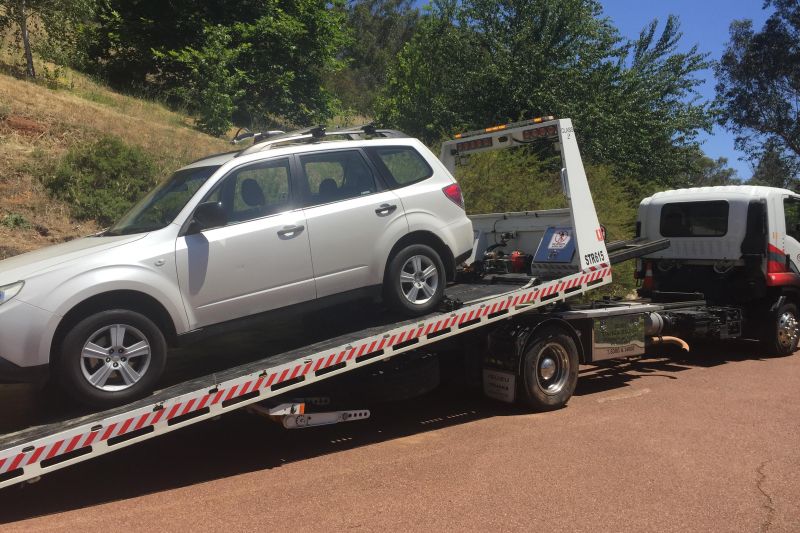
24 266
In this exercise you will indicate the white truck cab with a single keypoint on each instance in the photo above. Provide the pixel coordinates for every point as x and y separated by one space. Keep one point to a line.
731 244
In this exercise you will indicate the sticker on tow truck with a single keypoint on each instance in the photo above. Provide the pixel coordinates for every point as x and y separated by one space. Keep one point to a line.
557 246
499 385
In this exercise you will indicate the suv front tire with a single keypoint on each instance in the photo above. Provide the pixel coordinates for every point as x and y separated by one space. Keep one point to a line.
111 358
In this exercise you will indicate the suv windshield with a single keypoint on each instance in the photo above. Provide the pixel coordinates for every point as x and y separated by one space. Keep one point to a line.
162 204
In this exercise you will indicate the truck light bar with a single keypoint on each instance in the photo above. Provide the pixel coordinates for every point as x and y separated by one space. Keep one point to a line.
539 133
475 144
537 120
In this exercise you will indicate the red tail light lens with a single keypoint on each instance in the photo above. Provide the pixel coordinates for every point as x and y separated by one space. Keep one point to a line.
454 193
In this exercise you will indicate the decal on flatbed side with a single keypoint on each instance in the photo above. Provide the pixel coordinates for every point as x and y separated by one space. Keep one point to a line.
593 258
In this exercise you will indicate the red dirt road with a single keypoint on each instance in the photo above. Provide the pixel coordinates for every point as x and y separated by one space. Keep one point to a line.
701 444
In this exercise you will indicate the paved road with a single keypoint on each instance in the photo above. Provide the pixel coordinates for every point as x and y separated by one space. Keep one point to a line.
703 443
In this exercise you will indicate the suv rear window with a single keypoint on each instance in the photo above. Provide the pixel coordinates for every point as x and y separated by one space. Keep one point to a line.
695 219
401 165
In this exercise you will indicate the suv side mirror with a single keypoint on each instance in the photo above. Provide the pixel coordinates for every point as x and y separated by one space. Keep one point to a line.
209 215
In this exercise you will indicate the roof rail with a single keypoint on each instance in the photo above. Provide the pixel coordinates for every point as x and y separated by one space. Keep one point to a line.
318 133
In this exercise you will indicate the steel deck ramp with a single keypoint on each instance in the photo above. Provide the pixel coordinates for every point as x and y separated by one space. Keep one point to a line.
36 451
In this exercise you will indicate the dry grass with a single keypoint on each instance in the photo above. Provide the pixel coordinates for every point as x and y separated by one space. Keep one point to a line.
38 124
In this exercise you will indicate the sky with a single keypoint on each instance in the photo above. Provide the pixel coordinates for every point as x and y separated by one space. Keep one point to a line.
704 23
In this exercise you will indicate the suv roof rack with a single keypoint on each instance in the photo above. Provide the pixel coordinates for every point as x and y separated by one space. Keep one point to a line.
318 133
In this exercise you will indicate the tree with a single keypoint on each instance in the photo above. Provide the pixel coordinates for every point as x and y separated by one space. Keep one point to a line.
54 18
211 81
758 84
774 169
379 29
704 171
474 63
282 50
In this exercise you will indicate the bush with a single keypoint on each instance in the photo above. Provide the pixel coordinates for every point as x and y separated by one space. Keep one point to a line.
15 221
524 180
101 180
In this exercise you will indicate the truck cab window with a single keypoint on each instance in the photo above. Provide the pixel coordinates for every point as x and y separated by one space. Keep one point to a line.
695 219
791 210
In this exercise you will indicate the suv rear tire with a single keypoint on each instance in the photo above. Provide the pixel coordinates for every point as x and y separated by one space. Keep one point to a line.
415 280
111 358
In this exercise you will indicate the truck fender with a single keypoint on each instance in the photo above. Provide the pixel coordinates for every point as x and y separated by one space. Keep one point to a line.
531 336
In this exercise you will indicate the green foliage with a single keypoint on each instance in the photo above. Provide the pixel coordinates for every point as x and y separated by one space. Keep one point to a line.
759 85
522 180
379 29
702 171
52 21
774 169
481 62
102 179
15 221
265 60
509 180
211 83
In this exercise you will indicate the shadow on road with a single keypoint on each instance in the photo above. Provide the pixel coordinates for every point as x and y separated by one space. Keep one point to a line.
239 443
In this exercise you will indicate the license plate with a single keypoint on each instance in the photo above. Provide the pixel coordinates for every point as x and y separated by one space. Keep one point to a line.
499 385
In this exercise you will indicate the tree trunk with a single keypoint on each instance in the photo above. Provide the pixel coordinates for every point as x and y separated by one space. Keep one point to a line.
26 40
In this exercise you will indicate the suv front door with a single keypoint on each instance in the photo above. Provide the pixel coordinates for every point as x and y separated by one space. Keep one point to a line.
260 260
352 221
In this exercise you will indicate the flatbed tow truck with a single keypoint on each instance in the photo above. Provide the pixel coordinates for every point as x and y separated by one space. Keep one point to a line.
510 306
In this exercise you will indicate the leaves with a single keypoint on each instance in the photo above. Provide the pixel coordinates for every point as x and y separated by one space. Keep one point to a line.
481 62
759 85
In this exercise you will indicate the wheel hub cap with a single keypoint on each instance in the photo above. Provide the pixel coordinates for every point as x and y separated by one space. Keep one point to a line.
552 369
419 279
115 357
547 368
787 330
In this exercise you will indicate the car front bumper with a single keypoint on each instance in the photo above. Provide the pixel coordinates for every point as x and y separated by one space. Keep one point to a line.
24 342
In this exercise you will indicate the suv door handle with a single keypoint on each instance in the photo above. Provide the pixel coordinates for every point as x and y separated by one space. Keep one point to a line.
290 231
385 209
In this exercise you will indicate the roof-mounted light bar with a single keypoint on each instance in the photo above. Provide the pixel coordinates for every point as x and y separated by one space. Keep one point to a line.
537 120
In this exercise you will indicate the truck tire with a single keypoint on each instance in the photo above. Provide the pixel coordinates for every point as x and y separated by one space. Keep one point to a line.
781 331
111 358
549 370
415 280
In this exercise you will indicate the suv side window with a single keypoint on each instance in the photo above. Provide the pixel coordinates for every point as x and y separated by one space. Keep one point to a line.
791 210
334 176
401 165
255 191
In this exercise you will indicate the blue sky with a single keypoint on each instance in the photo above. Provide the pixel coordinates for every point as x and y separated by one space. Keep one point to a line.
705 23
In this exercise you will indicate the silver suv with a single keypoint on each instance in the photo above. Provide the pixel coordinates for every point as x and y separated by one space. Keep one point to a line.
298 219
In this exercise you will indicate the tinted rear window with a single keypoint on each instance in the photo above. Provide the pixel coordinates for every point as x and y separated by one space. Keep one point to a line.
401 165
695 219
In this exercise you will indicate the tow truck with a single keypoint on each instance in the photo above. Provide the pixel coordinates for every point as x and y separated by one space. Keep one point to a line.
510 316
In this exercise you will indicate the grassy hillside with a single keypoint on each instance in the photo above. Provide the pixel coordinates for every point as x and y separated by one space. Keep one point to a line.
39 124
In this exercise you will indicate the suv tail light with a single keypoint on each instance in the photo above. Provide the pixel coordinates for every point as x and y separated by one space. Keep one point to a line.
453 192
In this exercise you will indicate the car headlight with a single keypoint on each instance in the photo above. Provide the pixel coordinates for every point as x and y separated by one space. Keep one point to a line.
9 291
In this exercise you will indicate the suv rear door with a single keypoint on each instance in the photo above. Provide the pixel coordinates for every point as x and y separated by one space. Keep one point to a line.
353 221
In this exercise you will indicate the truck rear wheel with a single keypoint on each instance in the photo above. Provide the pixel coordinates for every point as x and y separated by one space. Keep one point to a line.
782 331
549 371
